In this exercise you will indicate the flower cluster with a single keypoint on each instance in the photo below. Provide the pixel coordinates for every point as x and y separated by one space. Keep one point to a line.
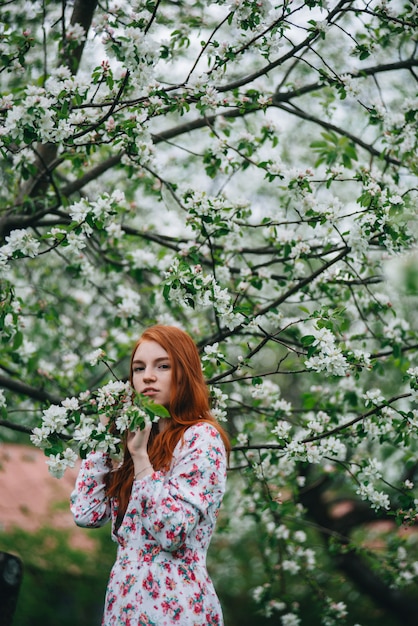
328 357
377 499
189 286
73 428
219 404
193 110
19 243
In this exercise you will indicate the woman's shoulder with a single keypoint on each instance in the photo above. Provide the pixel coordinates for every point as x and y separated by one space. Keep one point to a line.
200 435
202 430
201 440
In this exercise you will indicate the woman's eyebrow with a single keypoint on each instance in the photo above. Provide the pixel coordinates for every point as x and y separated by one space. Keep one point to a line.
159 360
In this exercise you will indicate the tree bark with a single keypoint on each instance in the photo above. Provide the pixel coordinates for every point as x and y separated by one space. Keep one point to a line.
11 572
82 14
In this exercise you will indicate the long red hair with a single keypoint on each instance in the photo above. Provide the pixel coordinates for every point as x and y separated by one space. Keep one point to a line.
188 405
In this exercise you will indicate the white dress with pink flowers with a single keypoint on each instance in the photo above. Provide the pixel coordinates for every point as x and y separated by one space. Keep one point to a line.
159 577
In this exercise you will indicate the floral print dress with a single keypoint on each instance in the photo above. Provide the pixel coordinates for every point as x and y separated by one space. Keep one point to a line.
159 577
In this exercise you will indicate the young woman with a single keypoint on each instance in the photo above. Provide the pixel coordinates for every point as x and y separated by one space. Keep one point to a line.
163 500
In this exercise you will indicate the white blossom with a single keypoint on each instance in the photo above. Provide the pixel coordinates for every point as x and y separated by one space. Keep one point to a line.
94 357
282 532
282 406
290 619
142 258
39 436
259 591
79 210
378 499
300 536
130 302
242 439
69 361
58 463
72 404
110 393
75 32
109 444
373 397
27 349
372 470
212 354
55 418
282 429
332 362
219 414
123 421
351 85
83 433
76 243
22 241
290 566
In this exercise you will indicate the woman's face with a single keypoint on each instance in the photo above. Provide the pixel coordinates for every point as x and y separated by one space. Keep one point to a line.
151 372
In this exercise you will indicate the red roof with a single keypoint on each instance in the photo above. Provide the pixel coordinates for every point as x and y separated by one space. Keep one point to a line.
30 497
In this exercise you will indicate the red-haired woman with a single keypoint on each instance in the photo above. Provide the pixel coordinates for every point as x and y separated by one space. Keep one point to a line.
164 498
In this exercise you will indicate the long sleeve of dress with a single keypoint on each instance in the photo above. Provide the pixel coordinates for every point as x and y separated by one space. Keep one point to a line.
89 504
170 506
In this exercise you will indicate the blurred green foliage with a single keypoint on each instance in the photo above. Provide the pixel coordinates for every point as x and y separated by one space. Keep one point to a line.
65 586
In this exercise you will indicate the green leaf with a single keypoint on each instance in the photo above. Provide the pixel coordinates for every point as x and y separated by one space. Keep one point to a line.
151 407
17 341
307 340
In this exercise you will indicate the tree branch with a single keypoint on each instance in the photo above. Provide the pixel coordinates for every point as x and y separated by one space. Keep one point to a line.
17 386
325 434
340 131
289 55
16 427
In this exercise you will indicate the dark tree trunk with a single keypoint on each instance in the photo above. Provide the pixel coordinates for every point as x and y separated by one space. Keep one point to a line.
11 571
400 605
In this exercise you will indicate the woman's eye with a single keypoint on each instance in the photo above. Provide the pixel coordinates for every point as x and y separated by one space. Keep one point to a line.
138 369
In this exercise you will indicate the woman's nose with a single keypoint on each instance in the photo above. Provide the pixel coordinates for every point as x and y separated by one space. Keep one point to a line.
149 374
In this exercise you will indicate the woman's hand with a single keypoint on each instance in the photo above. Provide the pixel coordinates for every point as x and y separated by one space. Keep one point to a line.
137 443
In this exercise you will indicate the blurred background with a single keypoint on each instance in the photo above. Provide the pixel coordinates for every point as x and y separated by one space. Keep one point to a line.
66 567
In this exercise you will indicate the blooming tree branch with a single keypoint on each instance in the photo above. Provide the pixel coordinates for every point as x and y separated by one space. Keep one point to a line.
246 171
